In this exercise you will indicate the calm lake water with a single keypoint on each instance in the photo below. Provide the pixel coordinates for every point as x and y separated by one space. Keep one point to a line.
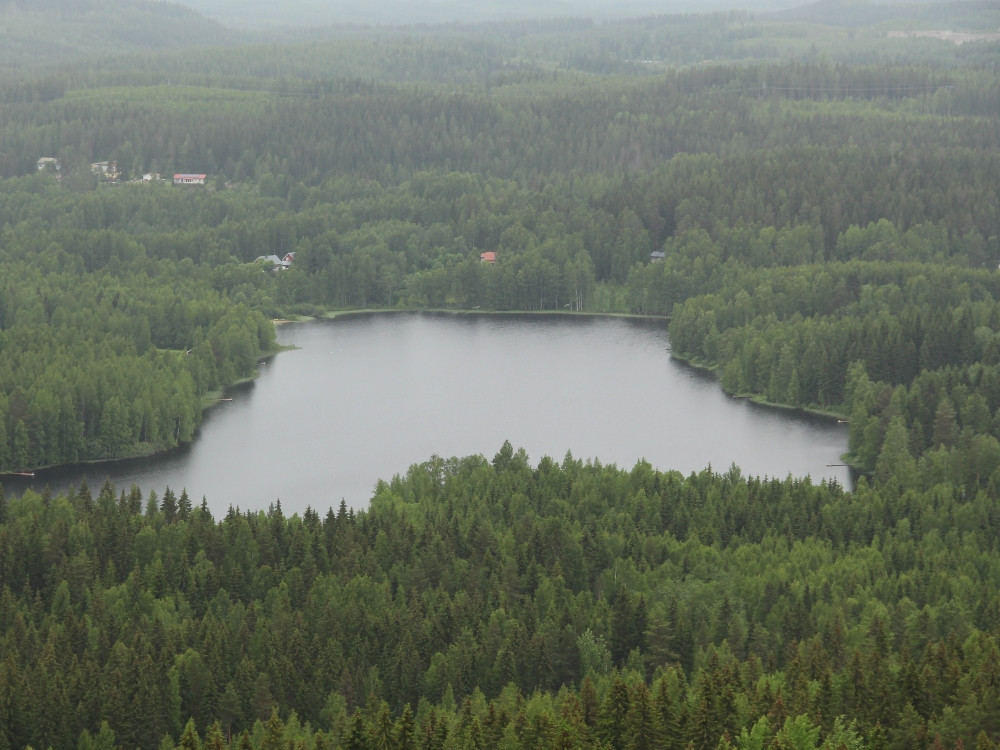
364 397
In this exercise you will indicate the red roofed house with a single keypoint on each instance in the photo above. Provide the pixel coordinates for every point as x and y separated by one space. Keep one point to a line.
189 179
488 257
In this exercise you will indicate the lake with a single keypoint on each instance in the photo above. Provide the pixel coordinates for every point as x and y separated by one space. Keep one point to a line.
365 396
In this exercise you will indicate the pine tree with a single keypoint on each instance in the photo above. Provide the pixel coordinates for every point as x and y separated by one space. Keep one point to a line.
622 629
614 712
168 506
667 705
184 506
404 730
701 731
381 730
189 737
214 739
589 702
357 739
642 729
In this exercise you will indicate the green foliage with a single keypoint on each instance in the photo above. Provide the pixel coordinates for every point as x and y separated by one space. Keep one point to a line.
772 608
99 366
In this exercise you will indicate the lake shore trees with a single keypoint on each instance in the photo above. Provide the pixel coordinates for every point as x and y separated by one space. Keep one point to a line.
518 602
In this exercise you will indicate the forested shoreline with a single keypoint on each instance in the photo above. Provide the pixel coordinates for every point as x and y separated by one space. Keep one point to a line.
498 604
811 201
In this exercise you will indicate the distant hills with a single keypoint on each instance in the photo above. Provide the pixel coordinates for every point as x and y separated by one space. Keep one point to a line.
37 32
37 35
262 14
963 15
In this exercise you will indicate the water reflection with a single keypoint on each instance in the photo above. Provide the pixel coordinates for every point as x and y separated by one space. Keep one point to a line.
365 396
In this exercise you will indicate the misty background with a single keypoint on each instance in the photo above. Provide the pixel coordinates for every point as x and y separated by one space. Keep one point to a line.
264 14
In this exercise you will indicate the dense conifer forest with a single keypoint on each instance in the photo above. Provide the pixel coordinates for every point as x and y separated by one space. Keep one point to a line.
811 197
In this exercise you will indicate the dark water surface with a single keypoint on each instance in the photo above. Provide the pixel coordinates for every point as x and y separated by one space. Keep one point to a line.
365 396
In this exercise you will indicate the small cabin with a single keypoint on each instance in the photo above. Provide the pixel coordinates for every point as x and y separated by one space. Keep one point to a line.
657 256
108 170
189 179
488 257
277 264
48 164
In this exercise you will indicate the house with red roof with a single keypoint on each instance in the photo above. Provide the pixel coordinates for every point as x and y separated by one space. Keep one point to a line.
189 179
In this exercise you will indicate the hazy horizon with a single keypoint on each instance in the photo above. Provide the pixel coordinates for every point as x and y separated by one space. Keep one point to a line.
293 13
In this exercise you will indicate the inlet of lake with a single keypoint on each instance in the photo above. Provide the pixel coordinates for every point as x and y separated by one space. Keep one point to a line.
364 396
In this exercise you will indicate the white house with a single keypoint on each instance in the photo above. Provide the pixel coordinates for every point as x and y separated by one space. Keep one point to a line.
106 169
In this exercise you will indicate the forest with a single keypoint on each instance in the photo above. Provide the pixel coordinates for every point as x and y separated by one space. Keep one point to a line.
812 201
492 603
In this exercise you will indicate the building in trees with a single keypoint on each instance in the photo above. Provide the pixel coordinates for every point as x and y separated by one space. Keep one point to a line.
189 179
49 164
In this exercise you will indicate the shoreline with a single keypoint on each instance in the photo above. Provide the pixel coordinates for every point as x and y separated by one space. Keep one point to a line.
757 398
334 314
209 400
709 370
140 453
213 398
